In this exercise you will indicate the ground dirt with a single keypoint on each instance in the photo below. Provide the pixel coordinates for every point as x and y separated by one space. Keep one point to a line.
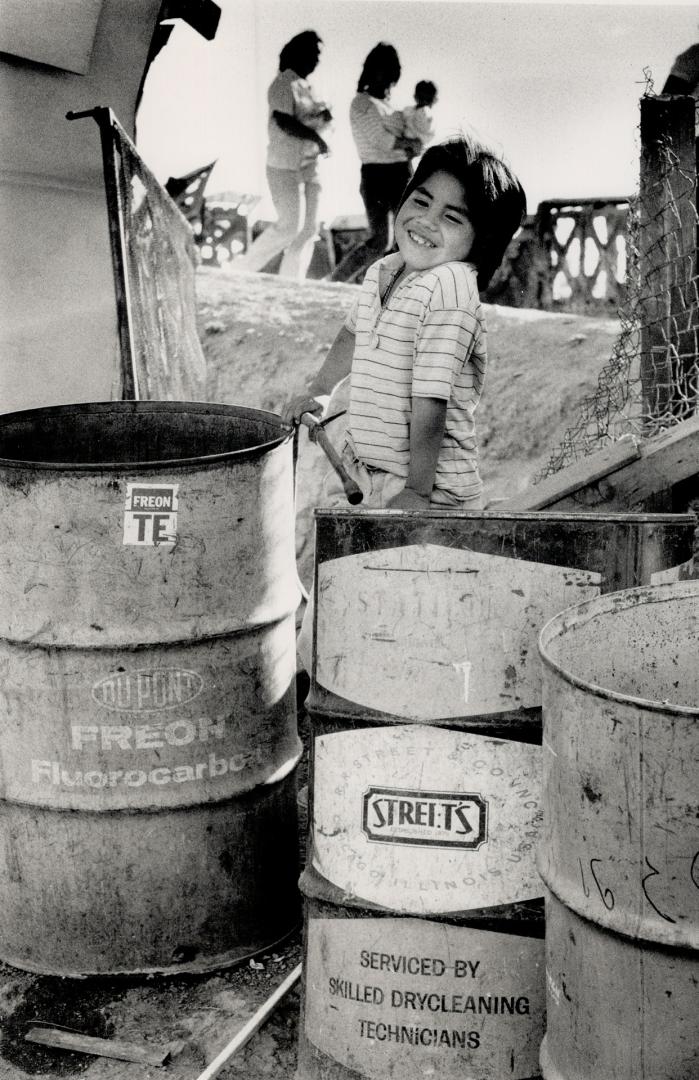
263 338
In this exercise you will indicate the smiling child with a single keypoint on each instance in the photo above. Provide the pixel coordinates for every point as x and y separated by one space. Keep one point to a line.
414 341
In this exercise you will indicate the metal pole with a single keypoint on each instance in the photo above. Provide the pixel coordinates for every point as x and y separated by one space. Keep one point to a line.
116 217
254 1024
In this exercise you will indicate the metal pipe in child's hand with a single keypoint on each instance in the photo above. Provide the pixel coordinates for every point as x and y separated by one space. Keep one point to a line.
317 434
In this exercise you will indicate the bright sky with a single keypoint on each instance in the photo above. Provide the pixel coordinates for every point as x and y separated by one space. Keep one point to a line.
553 86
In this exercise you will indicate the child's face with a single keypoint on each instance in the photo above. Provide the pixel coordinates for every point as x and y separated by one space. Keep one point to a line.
432 226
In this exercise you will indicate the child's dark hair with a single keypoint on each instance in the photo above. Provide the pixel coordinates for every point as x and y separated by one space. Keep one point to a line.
495 198
425 92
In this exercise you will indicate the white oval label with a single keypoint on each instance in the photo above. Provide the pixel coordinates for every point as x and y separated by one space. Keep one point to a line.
426 631
425 819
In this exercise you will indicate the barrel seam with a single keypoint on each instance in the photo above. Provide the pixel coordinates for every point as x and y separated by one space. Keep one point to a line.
264 786
689 945
135 646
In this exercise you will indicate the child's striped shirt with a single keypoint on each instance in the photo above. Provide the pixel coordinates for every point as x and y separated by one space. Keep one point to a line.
427 341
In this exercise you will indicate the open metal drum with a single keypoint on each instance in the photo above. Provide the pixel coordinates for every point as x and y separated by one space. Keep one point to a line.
147 699
620 846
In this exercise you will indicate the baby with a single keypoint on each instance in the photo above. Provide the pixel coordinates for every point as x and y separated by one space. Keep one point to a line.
417 118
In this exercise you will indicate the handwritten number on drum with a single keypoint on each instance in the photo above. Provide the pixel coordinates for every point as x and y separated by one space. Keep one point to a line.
654 873
606 895
586 891
694 872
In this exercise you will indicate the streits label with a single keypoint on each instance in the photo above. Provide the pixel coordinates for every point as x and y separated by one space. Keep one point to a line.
424 818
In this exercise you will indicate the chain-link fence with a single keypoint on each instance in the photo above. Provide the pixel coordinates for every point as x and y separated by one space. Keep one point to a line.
651 380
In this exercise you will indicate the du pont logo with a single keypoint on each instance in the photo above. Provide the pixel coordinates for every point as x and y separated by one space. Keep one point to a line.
428 818
147 691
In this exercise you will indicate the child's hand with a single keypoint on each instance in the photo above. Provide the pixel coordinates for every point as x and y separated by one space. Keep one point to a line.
407 499
294 409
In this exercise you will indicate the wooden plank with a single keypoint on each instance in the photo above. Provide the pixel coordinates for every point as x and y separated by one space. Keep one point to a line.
665 460
581 474
60 33
63 1039
656 466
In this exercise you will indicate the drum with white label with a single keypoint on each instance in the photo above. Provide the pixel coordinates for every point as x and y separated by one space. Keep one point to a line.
400 997
147 700
425 787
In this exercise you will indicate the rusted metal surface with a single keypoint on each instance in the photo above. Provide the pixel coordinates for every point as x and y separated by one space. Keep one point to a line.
615 1009
438 633
619 850
65 473
620 675
425 784
148 702
188 889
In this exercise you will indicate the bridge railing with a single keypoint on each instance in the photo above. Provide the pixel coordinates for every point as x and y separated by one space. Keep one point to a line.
569 256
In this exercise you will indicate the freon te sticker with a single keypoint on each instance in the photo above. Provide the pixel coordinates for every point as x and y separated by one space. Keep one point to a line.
150 514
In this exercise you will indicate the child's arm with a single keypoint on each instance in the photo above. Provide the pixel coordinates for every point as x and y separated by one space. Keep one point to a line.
336 367
394 122
427 424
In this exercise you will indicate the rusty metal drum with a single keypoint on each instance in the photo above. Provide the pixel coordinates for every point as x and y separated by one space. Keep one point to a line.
147 698
425 784
620 847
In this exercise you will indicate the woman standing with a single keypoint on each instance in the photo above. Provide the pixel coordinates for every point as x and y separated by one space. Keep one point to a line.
296 119
384 153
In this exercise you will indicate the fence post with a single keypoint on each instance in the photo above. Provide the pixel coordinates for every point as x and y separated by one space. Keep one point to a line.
667 258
